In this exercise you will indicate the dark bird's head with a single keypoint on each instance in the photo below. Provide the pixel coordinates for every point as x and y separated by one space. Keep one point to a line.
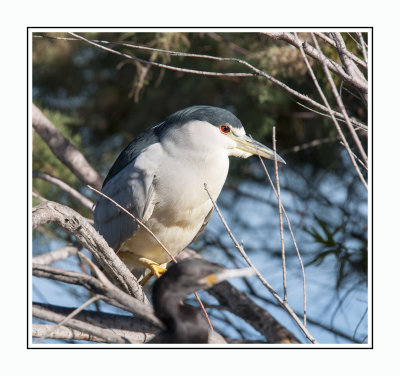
184 323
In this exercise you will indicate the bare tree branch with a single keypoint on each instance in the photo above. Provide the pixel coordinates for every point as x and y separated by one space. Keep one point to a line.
339 130
192 71
56 255
65 333
316 54
108 335
354 69
349 65
89 238
64 150
347 52
363 45
294 242
257 72
106 320
278 191
110 293
65 187
69 317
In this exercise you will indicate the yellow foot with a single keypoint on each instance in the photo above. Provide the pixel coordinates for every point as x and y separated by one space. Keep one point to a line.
155 269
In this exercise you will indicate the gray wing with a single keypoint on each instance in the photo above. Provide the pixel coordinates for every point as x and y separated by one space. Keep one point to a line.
132 188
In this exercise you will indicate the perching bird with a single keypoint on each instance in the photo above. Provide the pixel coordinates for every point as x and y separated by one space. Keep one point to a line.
159 177
185 323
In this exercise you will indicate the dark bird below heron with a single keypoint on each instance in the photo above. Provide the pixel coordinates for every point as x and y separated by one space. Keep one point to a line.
185 323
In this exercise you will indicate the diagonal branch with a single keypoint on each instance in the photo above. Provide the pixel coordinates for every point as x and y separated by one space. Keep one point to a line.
56 255
71 221
65 187
64 150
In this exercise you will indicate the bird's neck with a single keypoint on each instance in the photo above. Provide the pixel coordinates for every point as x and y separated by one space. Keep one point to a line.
184 322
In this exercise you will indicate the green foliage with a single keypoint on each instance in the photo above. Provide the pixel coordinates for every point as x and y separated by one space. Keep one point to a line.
348 259
44 160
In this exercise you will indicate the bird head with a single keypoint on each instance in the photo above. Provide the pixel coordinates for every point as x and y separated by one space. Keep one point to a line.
194 274
212 129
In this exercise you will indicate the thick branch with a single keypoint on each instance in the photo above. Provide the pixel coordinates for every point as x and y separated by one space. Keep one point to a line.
106 334
110 293
63 332
71 221
64 150
242 306
105 320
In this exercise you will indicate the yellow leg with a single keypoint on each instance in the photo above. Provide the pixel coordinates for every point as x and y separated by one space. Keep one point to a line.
131 259
155 269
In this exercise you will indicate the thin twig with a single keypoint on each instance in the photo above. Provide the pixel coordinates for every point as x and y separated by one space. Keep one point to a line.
278 190
293 239
138 221
357 159
56 255
185 70
283 304
65 187
364 51
312 144
358 126
39 197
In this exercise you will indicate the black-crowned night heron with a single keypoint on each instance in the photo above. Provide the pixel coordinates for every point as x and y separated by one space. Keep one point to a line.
159 177
184 323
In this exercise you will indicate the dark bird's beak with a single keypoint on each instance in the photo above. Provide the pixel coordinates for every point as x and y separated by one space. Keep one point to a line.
224 274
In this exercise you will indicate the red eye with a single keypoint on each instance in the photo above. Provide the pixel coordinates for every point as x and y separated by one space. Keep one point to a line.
225 129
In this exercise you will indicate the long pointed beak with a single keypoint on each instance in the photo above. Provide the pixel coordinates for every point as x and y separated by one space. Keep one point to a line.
224 274
251 146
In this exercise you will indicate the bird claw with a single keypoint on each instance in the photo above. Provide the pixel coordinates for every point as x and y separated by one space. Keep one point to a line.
155 269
